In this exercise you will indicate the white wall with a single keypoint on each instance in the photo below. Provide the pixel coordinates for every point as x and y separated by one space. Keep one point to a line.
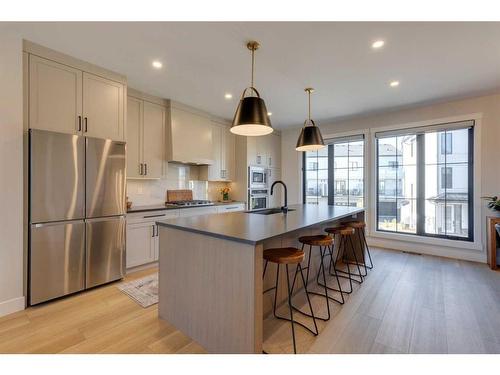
11 173
487 106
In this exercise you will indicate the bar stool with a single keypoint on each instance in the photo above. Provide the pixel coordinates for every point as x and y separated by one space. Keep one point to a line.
286 256
346 234
360 226
323 242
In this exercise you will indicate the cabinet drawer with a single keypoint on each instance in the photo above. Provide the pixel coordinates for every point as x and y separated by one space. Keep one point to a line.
230 208
197 211
151 216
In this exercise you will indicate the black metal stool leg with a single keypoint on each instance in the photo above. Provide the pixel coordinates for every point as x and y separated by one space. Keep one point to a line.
291 310
308 299
310 292
356 260
338 271
367 248
362 244
350 275
322 270
293 307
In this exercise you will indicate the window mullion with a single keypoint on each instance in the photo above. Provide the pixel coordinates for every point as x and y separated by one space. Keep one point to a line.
420 184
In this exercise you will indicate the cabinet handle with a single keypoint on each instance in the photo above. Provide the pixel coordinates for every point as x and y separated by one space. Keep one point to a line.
258 159
152 226
157 231
145 169
85 120
79 123
149 216
140 169
270 161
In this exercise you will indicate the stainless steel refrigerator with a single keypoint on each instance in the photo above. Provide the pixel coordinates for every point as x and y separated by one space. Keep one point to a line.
77 213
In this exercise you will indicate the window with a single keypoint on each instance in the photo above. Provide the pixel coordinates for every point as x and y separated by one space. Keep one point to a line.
316 176
446 177
424 181
446 143
337 178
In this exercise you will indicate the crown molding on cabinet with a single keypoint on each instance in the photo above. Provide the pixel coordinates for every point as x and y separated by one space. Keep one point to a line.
50 54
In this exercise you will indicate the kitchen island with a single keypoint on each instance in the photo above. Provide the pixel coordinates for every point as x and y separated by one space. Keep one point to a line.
210 271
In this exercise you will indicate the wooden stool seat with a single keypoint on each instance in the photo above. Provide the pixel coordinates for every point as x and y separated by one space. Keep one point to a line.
356 224
343 230
317 240
284 255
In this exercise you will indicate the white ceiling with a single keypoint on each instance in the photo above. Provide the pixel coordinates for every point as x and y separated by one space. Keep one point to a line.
203 61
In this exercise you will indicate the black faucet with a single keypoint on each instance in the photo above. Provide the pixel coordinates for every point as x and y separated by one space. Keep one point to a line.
285 207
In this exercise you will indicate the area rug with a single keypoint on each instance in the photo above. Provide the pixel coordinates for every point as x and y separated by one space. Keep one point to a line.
144 291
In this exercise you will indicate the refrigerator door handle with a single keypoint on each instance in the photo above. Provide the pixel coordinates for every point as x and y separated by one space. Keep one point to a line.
53 223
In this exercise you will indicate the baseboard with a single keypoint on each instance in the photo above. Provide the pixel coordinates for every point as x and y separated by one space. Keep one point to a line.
11 306
419 248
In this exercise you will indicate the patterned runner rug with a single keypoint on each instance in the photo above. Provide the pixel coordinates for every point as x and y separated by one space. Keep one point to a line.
144 291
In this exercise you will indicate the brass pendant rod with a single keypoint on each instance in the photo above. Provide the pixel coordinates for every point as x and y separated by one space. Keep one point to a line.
253 64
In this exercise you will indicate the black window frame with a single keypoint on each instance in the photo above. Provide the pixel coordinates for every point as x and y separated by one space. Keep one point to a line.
420 225
331 168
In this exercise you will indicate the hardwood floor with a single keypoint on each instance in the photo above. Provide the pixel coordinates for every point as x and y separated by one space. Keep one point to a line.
407 304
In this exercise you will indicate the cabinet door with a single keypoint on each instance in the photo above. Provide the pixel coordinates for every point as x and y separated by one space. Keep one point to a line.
252 152
215 172
140 244
103 107
134 137
55 96
274 157
154 139
229 155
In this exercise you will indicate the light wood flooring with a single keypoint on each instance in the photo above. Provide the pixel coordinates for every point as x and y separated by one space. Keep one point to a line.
407 304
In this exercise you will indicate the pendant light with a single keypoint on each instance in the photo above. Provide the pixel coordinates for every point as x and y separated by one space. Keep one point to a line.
251 118
310 138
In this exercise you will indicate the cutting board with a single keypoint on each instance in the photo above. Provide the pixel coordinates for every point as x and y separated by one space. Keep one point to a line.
179 195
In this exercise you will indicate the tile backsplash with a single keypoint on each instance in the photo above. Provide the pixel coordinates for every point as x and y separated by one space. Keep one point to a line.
179 176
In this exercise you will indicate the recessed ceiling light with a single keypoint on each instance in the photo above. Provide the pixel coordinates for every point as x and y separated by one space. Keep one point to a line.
394 83
269 113
378 44
157 64
228 96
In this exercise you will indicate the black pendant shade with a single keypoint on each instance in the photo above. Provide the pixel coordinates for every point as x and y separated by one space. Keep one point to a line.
310 139
251 118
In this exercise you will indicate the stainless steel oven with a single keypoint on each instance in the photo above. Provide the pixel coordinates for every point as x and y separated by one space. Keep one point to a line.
258 198
257 177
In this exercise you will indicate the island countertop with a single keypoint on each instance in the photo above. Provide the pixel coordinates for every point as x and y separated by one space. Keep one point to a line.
253 228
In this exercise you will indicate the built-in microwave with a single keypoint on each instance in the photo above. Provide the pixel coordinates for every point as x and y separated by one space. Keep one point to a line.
258 198
257 177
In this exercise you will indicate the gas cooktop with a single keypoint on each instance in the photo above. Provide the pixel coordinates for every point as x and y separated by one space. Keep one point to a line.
196 202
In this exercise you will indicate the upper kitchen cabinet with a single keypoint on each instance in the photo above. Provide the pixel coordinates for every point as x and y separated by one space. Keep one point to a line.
154 139
145 136
189 137
223 154
264 150
55 96
103 108
71 96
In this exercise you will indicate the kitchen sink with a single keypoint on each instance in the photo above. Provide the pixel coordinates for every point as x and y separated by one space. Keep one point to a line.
269 211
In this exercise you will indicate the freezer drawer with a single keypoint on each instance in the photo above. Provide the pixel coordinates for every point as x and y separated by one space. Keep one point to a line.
57 260
105 178
57 185
105 250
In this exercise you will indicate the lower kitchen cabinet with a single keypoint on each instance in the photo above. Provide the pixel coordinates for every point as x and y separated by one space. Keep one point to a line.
142 236
141 244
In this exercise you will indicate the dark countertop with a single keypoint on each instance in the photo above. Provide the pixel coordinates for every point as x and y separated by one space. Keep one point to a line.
253 228
158 207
